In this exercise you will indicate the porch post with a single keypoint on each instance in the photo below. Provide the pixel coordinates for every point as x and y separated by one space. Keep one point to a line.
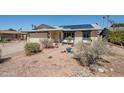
62 35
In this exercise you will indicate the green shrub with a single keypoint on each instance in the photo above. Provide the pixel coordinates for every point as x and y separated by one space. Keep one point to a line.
5 40
69 39
116 37
31 48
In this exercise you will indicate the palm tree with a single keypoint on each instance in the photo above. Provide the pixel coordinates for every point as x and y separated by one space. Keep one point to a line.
104 20
20 29
107 20
33 26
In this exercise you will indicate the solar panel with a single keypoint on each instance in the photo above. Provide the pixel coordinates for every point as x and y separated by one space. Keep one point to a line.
77 26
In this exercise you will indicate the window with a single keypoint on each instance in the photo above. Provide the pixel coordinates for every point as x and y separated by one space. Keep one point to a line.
86 35
67 34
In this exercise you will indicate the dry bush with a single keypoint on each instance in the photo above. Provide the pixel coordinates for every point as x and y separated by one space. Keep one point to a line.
50 43
47 43
88 54
100 46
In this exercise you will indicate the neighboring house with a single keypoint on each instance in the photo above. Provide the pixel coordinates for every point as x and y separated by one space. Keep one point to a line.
60 33
116 28
12 35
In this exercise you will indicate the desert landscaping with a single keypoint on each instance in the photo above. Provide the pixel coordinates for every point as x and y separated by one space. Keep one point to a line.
72 50
56 62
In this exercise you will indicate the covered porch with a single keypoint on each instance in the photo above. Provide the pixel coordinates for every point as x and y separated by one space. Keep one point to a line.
56 36
61 36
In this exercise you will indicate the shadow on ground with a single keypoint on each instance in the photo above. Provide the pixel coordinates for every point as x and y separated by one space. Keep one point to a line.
4 60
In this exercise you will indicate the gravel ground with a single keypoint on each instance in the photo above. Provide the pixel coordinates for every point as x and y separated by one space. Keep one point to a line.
11 48
58 65
61 64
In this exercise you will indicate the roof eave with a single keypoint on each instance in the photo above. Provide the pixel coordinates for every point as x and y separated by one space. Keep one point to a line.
45 30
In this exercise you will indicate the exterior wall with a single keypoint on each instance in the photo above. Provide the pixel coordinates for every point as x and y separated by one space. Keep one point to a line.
93 35
93 38
78 37
36 37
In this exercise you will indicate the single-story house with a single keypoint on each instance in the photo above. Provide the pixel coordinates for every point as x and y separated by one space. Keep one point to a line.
60 33
116 28
12 35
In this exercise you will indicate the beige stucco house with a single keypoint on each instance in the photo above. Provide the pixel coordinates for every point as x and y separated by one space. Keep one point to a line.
60 33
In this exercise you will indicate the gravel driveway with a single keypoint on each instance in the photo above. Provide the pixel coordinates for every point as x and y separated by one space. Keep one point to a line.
11 48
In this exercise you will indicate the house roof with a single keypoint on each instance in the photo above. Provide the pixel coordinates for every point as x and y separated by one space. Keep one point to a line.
82 27
10 32
116 28
44 26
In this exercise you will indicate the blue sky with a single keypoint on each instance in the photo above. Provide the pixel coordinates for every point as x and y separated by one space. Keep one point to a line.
25 21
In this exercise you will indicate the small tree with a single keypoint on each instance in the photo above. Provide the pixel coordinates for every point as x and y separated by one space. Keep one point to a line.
69 39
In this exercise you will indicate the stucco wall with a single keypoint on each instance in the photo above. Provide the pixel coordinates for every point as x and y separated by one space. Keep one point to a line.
93 35
36 37
78 37
62 36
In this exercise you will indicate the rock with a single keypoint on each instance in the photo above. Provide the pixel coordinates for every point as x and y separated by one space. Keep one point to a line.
101 70
84 72
50 57
63 51
111 69
96 68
